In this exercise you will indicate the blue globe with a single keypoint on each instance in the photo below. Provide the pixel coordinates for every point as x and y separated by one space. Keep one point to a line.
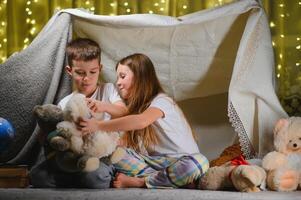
7 133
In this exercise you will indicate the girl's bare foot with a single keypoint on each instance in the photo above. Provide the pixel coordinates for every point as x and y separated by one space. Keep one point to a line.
124 181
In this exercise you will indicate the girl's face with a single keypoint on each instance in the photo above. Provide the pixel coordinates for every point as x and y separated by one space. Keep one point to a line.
125 78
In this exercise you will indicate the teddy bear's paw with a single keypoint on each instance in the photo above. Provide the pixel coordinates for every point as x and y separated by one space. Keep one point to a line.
88 164
59 143
254 174
64 132
274 160
248 178
283 180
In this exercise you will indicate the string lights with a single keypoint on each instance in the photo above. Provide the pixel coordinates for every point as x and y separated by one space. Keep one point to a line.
286 30
3 32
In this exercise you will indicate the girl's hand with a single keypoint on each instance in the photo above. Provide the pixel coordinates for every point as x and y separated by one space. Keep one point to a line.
88 126
121 143
95 105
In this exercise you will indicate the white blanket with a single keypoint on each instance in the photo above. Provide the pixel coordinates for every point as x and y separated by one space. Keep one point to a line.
221 51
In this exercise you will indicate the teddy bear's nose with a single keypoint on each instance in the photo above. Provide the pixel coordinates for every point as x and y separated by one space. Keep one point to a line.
295 145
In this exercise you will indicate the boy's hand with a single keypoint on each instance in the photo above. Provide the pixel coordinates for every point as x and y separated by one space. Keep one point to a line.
95 105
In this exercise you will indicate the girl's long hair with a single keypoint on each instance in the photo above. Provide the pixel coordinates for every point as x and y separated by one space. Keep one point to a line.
145 87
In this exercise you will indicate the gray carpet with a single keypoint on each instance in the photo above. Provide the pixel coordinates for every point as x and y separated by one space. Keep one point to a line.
135 194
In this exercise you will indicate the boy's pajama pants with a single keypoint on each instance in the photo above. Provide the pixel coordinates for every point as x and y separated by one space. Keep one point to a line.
163 171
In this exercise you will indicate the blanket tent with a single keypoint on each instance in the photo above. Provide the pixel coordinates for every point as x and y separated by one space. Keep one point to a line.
217 64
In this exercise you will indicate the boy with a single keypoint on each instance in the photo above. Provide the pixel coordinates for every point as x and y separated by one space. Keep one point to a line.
84 67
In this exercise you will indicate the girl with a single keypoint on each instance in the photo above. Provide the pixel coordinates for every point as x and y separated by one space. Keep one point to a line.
160 147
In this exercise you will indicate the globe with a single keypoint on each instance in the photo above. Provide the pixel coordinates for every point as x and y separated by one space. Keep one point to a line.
7 133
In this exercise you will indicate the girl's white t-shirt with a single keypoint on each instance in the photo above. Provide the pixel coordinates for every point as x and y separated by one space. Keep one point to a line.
174 133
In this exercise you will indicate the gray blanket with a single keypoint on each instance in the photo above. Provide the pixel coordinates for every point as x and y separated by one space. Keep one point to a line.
30 77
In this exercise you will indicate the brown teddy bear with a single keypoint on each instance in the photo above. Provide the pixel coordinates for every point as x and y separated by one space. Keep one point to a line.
235 174
284 164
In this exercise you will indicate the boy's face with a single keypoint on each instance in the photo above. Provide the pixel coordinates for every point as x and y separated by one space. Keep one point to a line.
85 75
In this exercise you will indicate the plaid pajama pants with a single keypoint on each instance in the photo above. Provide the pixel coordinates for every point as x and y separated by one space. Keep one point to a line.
162 171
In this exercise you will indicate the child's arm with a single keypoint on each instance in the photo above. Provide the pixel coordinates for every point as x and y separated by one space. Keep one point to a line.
129 122
117 109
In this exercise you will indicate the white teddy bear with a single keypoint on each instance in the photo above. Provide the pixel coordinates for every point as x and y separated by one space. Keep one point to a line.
91 146
284 164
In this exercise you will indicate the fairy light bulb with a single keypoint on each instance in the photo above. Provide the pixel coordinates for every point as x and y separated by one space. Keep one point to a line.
26 40
33 30
279 67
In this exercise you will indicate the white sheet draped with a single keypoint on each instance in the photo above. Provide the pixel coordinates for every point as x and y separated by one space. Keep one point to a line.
218 54
227 49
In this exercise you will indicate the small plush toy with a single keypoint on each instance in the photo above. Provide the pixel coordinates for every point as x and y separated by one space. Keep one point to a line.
283 165
47 116
227 155
235 174
73 148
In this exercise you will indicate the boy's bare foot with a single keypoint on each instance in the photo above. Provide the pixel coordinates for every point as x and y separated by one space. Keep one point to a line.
124 181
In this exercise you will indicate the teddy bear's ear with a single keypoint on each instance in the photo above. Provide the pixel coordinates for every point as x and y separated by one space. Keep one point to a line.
37 110
280 133
280 124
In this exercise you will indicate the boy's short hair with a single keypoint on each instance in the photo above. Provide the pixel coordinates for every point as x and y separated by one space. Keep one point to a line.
82 49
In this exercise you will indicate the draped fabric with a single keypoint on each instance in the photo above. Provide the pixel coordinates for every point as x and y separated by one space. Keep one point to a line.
21 21
211 54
